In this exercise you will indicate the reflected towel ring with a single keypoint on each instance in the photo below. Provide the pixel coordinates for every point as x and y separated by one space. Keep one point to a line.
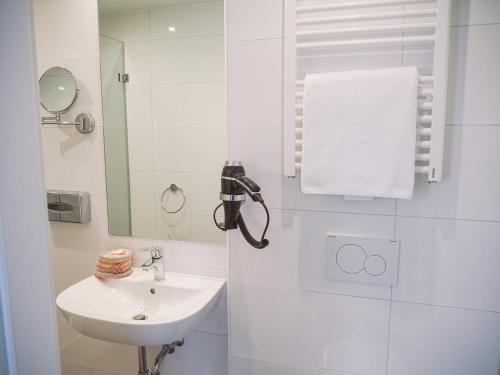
174 188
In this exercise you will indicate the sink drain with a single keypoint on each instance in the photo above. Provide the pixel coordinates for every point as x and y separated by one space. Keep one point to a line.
140 317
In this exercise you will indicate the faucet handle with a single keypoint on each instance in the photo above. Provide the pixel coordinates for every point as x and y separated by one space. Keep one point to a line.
156 253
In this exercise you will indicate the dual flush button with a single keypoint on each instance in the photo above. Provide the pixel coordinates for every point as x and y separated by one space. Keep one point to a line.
362 260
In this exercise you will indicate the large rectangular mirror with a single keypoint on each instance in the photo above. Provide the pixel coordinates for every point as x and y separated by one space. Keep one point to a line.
163 91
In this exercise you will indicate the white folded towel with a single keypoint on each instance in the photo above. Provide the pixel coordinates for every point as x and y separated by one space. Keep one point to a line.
359 133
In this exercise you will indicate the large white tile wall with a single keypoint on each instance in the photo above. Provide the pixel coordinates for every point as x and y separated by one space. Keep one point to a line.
444 315
73 161
175 113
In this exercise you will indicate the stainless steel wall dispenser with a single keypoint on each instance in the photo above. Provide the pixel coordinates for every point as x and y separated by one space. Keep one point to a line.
69 206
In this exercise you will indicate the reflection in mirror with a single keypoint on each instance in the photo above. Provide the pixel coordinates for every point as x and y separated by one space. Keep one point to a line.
162 74
58 90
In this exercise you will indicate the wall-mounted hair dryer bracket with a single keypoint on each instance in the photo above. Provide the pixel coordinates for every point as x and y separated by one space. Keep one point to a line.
235 185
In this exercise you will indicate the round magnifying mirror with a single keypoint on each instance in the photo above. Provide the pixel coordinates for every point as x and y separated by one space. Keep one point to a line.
58 90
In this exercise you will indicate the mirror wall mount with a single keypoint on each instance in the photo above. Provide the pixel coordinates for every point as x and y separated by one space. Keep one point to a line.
58 93
84 122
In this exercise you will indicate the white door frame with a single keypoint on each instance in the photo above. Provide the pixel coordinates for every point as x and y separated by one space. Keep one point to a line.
7 352
25 249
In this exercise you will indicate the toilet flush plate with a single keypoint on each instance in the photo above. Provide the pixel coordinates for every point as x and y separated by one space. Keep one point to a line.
362 260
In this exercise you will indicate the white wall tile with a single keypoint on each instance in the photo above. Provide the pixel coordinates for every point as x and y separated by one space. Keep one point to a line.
72 369
105 356
201 271
126 26
201 353
141 152
137 62
64 275
64 148
199 59
142 189
296 256
195 254
188 227
174 148
335 332
473 89
191 104
216 322
242 365
473 12
435 341
255 86
188 20
143 223
56 35
139 108
260 150
199 190
449 262
466 191
257 19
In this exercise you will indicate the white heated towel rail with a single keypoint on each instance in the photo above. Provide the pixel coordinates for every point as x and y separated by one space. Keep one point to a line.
328 35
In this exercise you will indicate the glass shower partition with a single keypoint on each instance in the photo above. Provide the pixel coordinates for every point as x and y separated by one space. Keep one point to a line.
114 105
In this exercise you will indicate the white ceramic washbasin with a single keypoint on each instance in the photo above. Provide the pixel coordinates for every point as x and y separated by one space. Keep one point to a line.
106 309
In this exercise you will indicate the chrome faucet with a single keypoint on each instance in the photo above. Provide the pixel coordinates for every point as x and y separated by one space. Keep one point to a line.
156 263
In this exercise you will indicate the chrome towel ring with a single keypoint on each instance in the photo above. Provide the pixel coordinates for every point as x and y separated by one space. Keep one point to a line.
174 189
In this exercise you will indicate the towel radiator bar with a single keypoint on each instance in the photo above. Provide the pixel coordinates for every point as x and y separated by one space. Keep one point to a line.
390 32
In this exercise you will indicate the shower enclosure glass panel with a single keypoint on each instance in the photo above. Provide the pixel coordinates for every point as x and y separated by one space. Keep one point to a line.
115 135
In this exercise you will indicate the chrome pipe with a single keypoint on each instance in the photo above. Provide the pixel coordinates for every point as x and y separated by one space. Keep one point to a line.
143 361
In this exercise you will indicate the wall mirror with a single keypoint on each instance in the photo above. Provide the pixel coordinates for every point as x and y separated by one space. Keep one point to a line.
163 93
58 90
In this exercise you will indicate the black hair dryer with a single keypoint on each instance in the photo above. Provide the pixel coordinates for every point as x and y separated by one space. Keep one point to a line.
234 187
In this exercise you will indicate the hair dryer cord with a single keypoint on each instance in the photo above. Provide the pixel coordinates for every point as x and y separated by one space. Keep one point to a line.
220 226
244 230
252 241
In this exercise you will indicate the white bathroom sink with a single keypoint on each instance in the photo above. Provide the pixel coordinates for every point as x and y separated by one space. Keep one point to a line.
105 309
